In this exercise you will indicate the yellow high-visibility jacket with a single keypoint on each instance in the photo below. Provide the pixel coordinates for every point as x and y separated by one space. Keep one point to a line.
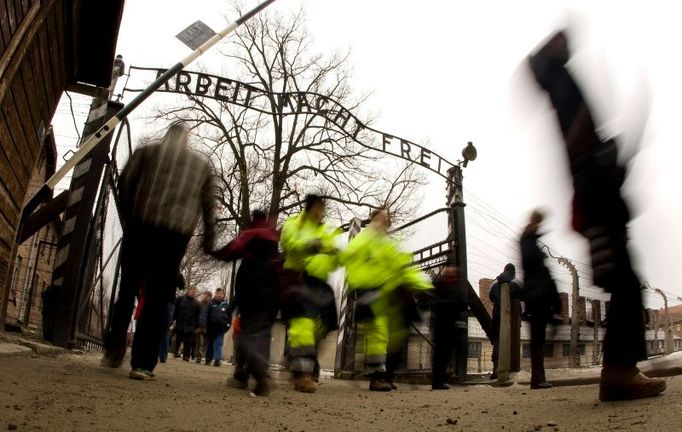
374 260
299 233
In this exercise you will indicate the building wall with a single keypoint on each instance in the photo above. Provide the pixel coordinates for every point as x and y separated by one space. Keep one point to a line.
33 74
33 263
483 292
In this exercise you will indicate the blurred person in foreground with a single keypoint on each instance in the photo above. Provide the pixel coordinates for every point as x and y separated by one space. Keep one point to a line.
256 300
601 215
309 305
164 189
540 295
381 278
507 276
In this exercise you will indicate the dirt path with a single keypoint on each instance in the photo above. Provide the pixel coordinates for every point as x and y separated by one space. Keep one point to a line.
72 393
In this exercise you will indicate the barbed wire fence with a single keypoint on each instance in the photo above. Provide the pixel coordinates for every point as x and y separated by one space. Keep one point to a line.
102 264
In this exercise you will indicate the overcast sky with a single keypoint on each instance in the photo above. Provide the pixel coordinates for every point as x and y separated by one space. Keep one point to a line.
451 72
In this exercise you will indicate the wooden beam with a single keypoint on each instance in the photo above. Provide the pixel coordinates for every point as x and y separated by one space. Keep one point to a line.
43 216
87 90
12 52
479 311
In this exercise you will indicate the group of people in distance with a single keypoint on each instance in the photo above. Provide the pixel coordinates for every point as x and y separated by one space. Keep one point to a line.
198 326
165 188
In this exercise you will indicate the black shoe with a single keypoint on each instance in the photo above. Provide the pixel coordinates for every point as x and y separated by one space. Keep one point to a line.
392 384
440 386
493 376
216 363
207 362
540 386
185 359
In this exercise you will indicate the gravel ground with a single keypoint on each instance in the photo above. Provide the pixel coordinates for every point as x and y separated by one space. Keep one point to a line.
72 393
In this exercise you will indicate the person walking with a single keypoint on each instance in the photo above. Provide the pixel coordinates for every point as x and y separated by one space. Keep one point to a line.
256 300
508 276
164 189
449 319
310 252
601 215
540 295
200 339
217 324
379 278
187 310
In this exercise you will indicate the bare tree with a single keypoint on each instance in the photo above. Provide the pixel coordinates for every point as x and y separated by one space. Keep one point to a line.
198 269
269 157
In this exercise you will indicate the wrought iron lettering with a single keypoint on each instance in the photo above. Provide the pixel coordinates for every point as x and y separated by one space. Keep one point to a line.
301 103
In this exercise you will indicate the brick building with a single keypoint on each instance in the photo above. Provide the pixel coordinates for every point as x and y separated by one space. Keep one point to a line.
658 325
35 257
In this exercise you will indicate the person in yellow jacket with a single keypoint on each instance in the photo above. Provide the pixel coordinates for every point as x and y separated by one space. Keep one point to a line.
311 254
379 276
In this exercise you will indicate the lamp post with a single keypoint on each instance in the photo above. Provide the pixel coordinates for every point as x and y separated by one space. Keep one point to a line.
455 197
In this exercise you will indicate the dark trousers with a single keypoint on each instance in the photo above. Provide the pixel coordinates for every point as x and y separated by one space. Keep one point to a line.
444 347
240 371
394 361
624 341
596 180
166 339
187 339
495 339
199 346
163 348
253 346
449 340
149 263
538 326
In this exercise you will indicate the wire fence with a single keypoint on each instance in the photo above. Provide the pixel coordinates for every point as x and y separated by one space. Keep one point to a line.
102 264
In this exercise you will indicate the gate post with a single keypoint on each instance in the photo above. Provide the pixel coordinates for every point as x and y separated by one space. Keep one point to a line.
457 229
515 338
76 233
345 343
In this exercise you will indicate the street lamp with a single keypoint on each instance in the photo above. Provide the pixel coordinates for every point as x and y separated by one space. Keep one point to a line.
457 229
469 154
